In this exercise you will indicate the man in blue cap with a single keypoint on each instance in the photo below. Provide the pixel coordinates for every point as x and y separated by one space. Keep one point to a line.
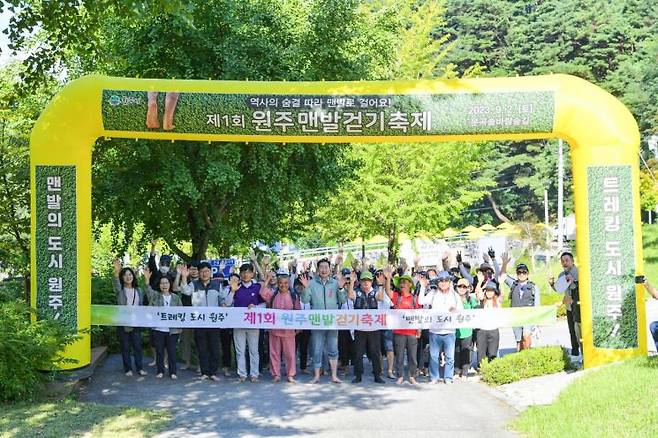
443 299
162 269
523 293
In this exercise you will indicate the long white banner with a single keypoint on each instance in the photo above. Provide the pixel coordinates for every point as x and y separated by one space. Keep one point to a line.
241 317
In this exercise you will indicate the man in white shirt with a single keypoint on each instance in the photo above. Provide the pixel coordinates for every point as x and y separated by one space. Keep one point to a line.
444 299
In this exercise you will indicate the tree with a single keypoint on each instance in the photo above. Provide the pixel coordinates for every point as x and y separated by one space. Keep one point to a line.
232 194
402 188
406 188
649 186
17 115
612 44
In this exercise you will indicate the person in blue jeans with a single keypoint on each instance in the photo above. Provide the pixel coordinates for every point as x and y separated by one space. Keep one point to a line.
653 327
324 293
443 298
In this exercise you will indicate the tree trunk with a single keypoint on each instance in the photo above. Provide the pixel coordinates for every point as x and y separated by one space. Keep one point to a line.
200 245
393 246
497 212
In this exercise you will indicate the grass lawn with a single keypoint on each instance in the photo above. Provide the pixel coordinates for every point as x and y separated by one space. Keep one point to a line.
617 400
69 418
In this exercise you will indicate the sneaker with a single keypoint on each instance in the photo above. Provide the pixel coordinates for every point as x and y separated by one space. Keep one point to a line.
159 376
204 377
142 373
174 377
129 373
214 378
448 381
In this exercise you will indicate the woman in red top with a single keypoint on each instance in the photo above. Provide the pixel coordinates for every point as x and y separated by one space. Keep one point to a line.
403 339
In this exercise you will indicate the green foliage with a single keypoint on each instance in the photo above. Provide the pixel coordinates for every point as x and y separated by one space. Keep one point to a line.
26 349
648 185
612 44
403 188
525 363
17 115
12 290
229 194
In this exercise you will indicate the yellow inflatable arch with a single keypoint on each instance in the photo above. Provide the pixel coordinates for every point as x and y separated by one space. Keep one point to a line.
603 136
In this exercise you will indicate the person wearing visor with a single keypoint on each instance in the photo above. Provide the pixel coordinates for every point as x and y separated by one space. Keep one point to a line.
444 299
523 293
464 336
488 335
281 340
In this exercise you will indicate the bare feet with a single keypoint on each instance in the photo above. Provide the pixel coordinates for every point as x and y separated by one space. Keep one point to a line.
412 380
276 379
314 380
335 379
152 115
291 379
159 376
170 107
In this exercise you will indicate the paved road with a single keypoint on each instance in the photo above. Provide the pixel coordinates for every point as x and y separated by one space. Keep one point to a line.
232 409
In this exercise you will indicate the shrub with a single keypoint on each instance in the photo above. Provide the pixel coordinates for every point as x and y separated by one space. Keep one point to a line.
12 289
27 348
526 363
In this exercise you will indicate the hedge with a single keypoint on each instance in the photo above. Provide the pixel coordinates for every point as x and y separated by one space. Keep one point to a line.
526 363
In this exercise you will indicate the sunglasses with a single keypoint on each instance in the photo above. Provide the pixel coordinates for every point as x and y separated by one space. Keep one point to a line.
462 286
522 272
442 280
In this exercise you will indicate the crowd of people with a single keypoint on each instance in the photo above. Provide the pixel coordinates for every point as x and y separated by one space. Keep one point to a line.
437 355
